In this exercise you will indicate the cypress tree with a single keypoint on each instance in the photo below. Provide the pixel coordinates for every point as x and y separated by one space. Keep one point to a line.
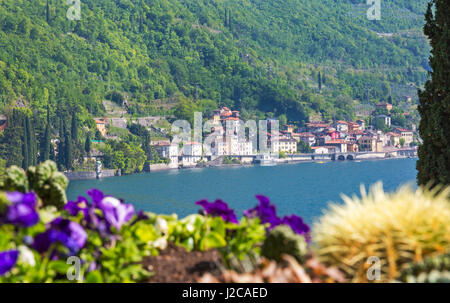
11 142
52 153
74 128
32 143
68 152
434 154
45 143
61 156
48 12
25 147
226 17
319 79
87 145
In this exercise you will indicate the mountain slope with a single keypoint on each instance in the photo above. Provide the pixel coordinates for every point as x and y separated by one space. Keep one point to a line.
258 56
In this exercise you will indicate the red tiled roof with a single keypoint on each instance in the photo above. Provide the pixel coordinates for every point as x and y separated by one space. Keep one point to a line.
356 132
338 141
403 130
392 134
302 135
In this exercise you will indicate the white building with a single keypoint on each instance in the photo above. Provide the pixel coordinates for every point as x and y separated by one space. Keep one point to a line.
232 146
324 149
341 126
191 153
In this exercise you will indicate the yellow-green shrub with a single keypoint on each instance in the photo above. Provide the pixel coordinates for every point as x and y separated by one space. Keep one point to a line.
399 228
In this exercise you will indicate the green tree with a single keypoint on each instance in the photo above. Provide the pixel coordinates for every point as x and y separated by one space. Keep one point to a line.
283 120
319 80
26 144
47 12
304 147
434 154
68 150
88 145
74 128
46 141
2 167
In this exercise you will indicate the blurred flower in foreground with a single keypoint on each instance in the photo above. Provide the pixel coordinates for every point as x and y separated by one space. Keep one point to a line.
22 211
268 214
7 260
265 211
218 209
114 213
68 233
297 225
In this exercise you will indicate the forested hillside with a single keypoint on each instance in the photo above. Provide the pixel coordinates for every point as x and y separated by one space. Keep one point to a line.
265 58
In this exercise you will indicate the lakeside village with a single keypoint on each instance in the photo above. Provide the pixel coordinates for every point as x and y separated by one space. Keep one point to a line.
315 141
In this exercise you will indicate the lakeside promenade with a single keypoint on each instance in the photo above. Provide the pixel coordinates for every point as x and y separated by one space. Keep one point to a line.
218 161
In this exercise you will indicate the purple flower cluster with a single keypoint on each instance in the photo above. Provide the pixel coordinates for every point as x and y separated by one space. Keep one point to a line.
103 213
62 231
268 214
218 209
22 211
7 260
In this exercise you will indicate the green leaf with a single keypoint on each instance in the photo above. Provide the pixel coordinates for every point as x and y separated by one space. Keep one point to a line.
213 240
94 277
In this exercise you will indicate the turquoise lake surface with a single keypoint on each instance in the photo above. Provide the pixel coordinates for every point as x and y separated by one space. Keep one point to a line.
304 189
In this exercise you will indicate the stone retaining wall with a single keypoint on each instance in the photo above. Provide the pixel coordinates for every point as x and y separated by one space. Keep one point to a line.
88 175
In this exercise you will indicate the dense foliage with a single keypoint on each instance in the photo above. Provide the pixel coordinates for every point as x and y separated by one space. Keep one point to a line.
161 57
434 154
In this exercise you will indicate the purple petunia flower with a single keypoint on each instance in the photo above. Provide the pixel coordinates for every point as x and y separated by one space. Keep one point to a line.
115 212
268 214
22 211
81 205
218 209
265 211
297 225
7 260
96 196
66 232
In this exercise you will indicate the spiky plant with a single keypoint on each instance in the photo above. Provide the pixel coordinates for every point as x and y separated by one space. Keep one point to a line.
44 179
431 270
282 240
398 228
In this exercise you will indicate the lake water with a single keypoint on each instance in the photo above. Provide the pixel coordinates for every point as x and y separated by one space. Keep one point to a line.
304 189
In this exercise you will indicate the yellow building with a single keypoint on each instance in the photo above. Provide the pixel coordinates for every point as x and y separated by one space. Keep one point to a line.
407 135
101 126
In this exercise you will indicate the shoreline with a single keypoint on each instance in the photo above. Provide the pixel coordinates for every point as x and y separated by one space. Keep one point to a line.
91 175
